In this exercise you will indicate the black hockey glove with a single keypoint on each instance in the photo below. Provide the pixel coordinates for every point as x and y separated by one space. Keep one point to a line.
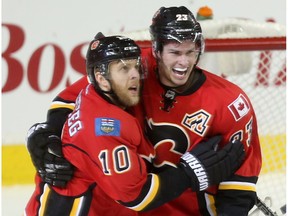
45 150
206 166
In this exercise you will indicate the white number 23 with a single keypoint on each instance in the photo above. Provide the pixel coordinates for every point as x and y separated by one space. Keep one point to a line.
181 17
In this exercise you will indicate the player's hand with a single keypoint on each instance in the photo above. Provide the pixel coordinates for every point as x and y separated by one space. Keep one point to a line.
206 166
45 150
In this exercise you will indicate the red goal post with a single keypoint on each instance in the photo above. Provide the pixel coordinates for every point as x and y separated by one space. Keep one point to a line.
237 44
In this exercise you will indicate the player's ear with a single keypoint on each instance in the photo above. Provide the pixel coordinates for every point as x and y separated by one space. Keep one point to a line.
156 54
102 81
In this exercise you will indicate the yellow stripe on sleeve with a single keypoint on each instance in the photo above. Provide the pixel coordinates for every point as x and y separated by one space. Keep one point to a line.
210 203
76 206
56 105
150 195
43 199
237 186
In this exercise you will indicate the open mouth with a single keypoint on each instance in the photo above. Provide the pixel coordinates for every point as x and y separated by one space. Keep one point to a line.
133 89
179 72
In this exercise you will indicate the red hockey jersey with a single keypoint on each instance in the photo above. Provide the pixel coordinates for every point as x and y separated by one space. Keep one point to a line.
175 122
105 144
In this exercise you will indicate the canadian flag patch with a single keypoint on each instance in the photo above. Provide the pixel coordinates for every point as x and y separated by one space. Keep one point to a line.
239 108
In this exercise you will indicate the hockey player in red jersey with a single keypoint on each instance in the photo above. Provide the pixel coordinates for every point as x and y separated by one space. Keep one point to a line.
107 148
189 104
182 105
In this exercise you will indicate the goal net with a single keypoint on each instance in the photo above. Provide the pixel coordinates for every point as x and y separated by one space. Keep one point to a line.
253 56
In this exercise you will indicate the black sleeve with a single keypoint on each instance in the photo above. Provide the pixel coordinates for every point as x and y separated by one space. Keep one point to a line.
57 117
231 201
172 183
59 205
238 200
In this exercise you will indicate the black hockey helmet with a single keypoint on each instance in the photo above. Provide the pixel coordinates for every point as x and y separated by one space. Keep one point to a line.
175 23
102 50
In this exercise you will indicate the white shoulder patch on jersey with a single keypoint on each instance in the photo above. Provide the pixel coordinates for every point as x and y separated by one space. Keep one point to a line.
239 107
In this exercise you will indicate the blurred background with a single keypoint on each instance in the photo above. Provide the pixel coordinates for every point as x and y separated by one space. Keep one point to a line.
43 50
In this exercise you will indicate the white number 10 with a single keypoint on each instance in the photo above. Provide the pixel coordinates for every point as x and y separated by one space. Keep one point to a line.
120 158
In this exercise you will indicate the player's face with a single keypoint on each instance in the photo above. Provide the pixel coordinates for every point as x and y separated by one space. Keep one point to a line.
176 62
125 81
